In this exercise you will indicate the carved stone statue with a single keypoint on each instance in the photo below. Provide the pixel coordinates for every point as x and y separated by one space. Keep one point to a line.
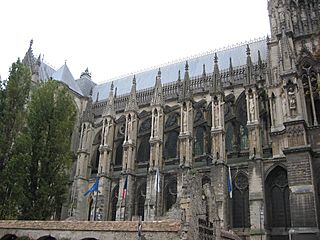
243 138
129 128
106 131
284 105
216 114
251 108
155 123
184 118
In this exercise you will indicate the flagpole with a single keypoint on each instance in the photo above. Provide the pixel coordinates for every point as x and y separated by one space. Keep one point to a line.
95 207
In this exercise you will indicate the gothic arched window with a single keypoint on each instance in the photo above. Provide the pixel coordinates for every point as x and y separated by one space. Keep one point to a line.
199 141
277 199
171 145
95 162
240 202
170 193
229 137
311 91
144 150
119 154
140 198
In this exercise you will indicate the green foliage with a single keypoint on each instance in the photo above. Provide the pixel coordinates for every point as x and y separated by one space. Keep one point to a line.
35 140
13 99
49 129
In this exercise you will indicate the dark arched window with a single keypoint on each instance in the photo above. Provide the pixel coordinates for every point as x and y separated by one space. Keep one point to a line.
229 137
199 141
114 201
277 199
144 150
119 154
140 198
240 202
95 163
171 145
170 194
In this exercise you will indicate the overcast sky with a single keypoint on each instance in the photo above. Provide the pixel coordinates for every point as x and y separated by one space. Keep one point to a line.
116 37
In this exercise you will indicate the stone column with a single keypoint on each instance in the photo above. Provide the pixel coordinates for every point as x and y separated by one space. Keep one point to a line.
219 169
255 165
81 179
153 198
104 167
125 206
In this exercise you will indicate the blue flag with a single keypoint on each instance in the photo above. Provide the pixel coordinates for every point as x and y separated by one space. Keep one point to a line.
94 187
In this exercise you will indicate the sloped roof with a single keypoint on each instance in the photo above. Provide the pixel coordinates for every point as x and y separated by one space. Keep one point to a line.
64 75
86 85
169 73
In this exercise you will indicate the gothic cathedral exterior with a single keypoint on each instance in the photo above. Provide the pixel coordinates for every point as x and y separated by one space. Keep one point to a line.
167 147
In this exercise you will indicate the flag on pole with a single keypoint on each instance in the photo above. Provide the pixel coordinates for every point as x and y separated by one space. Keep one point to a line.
94 187
125 188
229 183
157 181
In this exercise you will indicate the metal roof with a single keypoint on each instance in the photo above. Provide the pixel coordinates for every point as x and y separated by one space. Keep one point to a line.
64 75
169 73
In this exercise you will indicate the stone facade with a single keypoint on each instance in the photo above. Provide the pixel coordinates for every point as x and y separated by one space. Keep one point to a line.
259 119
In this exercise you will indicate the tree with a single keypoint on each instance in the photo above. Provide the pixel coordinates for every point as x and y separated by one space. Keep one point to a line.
48 134
13 98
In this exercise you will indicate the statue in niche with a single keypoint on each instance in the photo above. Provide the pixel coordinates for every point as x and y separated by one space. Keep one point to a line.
284 105
82 136
155 123
129 128
292 99
216 113
184 118
106 131
243 138
251 107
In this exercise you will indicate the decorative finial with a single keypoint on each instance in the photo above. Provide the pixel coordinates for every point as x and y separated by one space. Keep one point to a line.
134 81
179 75
248 50
230 62
31 42
87 70
203 70
111 88
215 58
259 58
187 66
115 92
65 62
159 73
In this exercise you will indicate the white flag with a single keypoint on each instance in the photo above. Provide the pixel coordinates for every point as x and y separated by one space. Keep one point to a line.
157 181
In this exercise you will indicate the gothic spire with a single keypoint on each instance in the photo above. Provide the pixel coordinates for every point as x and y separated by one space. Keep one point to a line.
231 79
132 104
216 85
109 110
249 67
157 98
186 92
204 74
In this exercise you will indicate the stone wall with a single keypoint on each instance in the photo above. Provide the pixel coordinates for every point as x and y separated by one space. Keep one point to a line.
77 230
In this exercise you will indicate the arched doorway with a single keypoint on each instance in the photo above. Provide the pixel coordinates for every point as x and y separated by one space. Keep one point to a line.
48 237
9 237
240 201
277 203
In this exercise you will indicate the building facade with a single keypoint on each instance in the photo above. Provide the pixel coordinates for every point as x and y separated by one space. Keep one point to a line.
165 147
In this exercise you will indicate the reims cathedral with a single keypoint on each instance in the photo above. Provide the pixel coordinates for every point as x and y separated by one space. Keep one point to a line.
228 139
